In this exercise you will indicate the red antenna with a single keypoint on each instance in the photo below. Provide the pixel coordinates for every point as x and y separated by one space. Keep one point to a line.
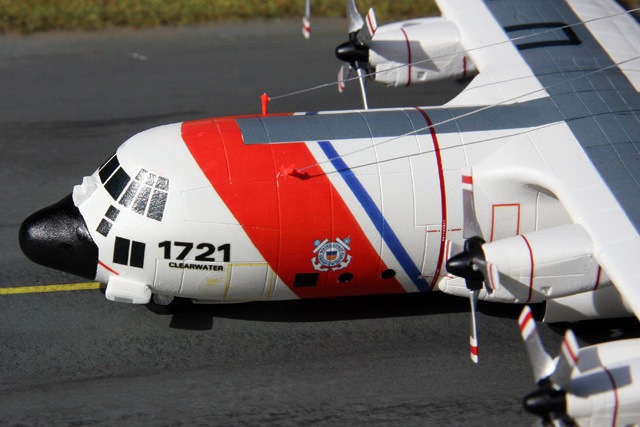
265 103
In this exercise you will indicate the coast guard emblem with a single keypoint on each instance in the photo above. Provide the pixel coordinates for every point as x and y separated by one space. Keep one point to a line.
331 255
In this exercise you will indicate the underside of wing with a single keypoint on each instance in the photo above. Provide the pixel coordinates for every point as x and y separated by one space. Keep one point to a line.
504 76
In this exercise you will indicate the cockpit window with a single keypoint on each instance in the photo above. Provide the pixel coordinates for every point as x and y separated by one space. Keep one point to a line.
156 207
140 204
114 178
145 177
130 194
162 184
107 169
145 195
117 183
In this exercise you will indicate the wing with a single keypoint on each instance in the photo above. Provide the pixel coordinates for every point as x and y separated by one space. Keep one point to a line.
580 58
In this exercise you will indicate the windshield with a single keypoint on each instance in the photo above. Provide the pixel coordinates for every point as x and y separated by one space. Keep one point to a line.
145 195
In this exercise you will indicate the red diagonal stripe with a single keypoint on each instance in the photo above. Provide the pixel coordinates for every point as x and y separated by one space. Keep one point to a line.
283 215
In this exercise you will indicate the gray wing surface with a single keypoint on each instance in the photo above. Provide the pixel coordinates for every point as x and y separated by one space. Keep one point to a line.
598 102
583 58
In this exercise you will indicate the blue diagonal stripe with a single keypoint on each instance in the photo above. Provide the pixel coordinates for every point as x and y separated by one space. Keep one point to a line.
381 224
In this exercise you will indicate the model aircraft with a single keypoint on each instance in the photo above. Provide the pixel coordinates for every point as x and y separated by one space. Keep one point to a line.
522 189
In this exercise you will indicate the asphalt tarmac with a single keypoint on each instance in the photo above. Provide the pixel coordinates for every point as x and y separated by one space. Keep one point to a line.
67 100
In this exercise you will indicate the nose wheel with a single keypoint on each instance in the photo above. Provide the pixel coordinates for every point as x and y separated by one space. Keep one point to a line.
164 304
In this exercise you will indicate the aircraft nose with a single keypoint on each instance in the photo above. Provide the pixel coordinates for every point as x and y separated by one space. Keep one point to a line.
57 237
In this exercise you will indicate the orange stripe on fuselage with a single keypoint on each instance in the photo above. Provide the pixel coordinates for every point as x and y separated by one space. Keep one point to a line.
284 215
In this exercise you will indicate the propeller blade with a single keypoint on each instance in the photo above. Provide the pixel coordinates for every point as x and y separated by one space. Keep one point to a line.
561 377
473 336
471 227
490 273
549 400
355 52
451 249
306 20
354 19
368 29
541 362
471 263
342 78
361 77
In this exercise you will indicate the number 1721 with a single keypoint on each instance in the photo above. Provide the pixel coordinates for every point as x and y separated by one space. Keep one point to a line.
205 251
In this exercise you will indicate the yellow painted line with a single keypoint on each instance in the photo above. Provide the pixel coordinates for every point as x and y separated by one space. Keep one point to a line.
51 288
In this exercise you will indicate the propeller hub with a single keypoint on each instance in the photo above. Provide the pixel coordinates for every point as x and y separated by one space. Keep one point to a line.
548 403
463 265
352 53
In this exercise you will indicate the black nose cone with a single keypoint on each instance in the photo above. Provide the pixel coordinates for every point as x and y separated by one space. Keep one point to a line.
57 237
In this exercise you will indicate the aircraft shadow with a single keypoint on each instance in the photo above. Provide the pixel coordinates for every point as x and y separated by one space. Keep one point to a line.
200 317
598 331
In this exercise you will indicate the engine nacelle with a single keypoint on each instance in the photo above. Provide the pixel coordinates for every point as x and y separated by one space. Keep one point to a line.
539 266
545 264
419 51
